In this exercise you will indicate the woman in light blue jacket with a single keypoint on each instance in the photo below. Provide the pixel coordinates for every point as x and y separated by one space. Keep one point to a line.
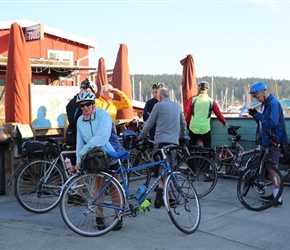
94 128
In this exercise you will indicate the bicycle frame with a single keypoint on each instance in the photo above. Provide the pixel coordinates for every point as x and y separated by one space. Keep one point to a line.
121 170
235 160
54 161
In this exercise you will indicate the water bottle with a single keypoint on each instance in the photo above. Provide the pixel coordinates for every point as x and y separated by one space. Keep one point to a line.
68 165
141 190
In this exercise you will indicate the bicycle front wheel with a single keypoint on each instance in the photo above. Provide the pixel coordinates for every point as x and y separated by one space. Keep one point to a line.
201 171
182 203
86 215
254 187
38 185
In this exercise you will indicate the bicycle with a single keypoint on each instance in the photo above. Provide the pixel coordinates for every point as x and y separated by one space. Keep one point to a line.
104 195
38 180
197 165
193 161
230 157
255 182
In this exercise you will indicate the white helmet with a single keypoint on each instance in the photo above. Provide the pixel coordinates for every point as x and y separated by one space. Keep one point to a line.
86 96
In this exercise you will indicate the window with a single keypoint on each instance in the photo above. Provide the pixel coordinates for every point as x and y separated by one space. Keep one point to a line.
61 55
2 81
40 81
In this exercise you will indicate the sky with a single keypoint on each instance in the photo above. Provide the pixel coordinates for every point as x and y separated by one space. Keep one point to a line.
226 38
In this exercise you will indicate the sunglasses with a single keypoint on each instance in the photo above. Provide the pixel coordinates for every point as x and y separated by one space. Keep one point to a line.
255 95
87 104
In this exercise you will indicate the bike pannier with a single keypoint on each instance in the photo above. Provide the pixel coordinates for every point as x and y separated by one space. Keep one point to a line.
129 139
30 148
285 154
34 148
96 160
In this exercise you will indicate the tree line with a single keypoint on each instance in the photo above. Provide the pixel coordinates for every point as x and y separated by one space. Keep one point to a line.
235 88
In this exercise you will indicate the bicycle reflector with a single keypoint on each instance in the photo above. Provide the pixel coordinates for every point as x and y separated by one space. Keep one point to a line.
231 131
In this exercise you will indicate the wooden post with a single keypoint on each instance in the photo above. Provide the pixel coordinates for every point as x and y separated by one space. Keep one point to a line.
12 156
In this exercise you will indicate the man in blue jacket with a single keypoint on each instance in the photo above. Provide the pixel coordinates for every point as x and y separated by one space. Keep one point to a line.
149 106
270 121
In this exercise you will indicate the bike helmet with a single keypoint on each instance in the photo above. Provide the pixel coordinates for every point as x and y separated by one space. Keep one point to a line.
89 84
157 85
257 87
86 96
203 85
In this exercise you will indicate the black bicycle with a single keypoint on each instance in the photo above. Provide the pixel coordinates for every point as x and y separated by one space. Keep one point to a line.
255 184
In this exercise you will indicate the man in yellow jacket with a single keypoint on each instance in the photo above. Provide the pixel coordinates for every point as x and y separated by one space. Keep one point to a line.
106 101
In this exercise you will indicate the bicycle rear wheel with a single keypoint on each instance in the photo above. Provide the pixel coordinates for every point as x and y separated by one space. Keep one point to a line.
139 177
252 187
201 171
80 210
182 203
38 185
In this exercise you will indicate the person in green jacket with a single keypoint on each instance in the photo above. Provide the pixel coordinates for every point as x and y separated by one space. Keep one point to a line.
198 115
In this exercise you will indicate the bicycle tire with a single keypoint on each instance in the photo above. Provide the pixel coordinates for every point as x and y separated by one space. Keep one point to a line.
201 171
80 214
32 193
182 203
250 189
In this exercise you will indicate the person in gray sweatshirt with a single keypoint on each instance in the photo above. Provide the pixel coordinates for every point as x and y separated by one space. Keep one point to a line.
170 127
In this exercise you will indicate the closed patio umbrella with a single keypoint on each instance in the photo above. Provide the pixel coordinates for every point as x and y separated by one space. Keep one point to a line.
121 80
102 78
189 87
18 77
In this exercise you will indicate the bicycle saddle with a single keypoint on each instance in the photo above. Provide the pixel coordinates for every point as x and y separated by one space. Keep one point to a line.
234 127
119 154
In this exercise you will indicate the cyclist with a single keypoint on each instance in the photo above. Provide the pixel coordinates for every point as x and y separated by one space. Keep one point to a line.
73 113
106 101
149 106
270 119
94 128
198 115
171 126
146 112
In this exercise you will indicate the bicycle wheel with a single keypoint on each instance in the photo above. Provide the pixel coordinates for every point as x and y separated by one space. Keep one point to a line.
252 187
182 203
140 159
38 185
80 210
201 171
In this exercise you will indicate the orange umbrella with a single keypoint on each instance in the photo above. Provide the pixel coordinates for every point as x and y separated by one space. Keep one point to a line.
189 87
18 76
121 80
102 78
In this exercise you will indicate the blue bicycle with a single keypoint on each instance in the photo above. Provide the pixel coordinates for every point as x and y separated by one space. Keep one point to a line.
101 195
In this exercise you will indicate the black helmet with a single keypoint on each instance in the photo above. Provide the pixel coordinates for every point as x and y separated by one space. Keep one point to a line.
157 85
89 84
203 85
